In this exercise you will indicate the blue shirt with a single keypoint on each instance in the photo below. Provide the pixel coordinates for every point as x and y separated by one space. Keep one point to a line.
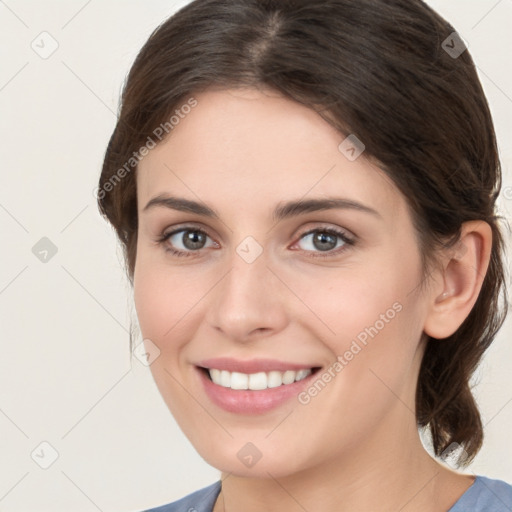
484 495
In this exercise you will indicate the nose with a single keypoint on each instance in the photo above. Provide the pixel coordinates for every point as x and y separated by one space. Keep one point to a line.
249 302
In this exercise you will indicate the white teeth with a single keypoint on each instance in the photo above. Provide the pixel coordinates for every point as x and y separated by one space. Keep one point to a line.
302 374
225 379
289 377
239 380
274 379
256 381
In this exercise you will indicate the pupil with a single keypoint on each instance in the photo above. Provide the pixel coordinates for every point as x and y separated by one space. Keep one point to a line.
193 240
324 241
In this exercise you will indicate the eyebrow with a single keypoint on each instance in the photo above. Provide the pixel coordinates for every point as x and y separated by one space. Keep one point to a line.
282 211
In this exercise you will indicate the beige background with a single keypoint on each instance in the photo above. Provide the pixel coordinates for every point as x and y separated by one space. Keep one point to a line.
66 377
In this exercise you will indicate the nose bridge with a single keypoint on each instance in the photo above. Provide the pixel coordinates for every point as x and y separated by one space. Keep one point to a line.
247 299
246 280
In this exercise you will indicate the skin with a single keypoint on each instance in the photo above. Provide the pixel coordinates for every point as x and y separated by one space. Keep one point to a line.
354 446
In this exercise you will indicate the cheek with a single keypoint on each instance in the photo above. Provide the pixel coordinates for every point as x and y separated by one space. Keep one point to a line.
164 299
376 297
374 370
356 304
152 303
373 320
166 304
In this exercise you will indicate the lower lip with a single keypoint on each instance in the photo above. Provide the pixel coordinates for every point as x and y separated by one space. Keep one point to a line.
245 401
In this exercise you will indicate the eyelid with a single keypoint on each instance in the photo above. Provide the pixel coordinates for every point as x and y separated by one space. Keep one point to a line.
328 229
187 227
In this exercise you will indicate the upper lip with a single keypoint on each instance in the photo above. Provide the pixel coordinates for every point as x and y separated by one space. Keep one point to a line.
252 365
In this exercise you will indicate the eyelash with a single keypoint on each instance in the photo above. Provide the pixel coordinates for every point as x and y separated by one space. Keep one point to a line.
313 254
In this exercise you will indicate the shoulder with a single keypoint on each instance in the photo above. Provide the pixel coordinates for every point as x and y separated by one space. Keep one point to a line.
199 501
484 495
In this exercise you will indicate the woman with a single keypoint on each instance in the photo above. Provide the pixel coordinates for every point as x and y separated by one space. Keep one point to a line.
305 193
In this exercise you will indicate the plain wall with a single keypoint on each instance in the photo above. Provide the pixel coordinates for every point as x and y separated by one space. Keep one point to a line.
66 377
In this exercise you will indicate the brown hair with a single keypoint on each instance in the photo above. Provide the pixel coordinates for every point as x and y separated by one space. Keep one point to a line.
378 69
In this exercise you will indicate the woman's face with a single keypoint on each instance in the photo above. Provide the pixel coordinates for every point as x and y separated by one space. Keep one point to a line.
268 281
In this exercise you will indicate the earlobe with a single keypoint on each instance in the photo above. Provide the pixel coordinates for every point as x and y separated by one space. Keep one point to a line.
463 273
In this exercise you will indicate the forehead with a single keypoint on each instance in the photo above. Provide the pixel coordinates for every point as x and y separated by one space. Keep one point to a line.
258 146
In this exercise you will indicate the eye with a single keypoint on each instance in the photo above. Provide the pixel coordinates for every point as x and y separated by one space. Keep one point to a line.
325 240
184 241
188 241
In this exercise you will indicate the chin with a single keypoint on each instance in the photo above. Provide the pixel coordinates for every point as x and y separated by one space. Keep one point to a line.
248 461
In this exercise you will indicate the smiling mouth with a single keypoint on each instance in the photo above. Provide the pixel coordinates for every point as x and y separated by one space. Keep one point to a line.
256 381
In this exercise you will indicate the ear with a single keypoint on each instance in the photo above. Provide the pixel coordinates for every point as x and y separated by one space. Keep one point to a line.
463 271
